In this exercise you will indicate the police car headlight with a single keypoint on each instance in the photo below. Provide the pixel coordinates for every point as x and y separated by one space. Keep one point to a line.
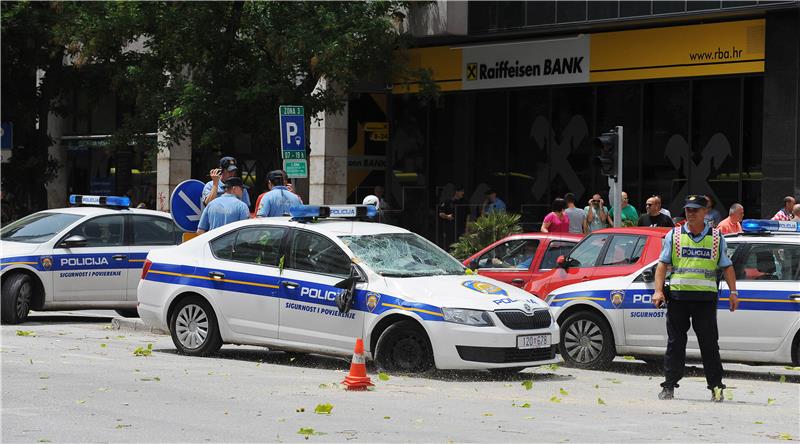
477 318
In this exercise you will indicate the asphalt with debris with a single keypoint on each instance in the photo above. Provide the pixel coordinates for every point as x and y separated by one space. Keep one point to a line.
76 377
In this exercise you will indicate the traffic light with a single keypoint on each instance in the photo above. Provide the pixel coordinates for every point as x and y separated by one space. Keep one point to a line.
607 145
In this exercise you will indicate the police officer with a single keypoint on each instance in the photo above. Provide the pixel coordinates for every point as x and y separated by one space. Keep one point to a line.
279 199
696 251
214 187
226 208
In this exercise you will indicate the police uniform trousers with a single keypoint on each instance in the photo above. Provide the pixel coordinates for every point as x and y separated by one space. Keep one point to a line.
702 316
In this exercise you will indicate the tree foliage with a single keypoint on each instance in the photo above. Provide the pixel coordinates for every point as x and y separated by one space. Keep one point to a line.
484 231
214 71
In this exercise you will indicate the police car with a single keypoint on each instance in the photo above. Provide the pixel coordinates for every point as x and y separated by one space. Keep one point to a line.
86 256
616 316
313 283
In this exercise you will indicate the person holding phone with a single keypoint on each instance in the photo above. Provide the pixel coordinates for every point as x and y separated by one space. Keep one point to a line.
215 186
696 252
596 215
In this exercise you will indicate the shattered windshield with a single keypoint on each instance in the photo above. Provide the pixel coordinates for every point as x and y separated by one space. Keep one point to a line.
402 255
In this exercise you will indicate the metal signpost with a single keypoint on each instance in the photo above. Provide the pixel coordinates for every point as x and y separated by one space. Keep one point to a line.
184 204
293 140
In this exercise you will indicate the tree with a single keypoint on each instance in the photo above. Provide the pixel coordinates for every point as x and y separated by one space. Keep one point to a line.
210 70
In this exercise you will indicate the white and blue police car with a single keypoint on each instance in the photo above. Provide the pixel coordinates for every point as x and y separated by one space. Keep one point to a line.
85 256
607 317
313 283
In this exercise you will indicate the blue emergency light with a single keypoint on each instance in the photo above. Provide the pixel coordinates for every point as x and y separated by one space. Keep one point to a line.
769 226
346 211
100 201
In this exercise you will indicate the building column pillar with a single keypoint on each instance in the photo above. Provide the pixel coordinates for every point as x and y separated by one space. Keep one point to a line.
327 163
174 165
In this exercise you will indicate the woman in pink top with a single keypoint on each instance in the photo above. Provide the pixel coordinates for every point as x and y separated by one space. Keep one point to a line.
557 221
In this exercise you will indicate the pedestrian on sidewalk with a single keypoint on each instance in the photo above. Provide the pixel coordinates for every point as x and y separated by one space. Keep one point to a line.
785 213
696 252
451 228
557 221
596 215
653 216
713 217
576 215
629 217
492 203
732 223
226 208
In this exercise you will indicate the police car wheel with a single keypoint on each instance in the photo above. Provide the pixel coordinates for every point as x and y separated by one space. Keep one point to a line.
194 327
16 299
586 341
404 347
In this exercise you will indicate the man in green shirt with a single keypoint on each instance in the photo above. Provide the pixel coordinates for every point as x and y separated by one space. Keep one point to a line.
630 217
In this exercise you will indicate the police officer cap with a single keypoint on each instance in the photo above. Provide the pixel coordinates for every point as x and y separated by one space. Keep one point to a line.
234 182
695 201
370 200
228 163
276 177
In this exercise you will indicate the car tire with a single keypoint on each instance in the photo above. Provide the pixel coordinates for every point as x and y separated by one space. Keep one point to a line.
128 313
404 347
17 294
194 327
586 341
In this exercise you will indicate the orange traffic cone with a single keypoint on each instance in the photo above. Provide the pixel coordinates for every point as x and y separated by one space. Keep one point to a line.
358 379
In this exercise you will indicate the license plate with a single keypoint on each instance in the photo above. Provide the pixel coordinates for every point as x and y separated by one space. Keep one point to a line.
533 341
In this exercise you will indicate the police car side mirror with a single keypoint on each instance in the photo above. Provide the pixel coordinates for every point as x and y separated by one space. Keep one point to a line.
76 240
648 275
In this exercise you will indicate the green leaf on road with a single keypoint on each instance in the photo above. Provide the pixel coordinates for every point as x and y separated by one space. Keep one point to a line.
43 440
323 409
528 384
729 395
788 367
555 399
123 426
26 333
383 376
80 401
785 437
770 401
628 358
527 405
324 386
308 431
758 422
488 414
563 392
141 351
782 378
103 345
552 367
387 417
717 393
600 401
614 380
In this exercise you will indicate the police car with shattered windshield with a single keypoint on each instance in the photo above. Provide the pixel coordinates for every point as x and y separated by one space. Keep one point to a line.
85 256
314 283
616 316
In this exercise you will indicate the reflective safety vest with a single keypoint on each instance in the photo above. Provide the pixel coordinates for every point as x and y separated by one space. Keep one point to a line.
694 266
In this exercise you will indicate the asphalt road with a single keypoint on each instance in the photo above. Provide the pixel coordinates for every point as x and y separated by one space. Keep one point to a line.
68 377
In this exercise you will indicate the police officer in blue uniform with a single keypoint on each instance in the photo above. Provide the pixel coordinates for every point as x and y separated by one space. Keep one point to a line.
214 187
696 252
226 208
279 199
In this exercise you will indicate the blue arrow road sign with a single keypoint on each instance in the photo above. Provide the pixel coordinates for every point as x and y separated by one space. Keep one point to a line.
184 204
293 128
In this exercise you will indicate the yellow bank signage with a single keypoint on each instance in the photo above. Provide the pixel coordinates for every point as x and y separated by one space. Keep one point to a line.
678 51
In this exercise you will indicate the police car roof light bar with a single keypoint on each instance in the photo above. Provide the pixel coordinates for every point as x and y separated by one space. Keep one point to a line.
300 212
100 201
769 226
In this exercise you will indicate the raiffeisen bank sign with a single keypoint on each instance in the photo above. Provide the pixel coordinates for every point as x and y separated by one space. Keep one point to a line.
531 63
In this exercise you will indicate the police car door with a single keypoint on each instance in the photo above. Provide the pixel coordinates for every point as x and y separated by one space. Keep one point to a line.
97 271
314 266
148 233
768 280
243 267
645 325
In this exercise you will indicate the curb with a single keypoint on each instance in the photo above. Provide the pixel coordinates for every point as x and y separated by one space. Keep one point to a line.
135 324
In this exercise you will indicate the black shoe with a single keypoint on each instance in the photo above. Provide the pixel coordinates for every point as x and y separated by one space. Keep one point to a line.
667 393
717 395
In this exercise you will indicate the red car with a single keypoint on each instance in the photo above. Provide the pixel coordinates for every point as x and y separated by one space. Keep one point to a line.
605 253
518 258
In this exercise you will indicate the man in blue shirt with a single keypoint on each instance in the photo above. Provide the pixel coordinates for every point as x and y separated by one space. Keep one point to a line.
279 199
214 187
493 204
225 209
